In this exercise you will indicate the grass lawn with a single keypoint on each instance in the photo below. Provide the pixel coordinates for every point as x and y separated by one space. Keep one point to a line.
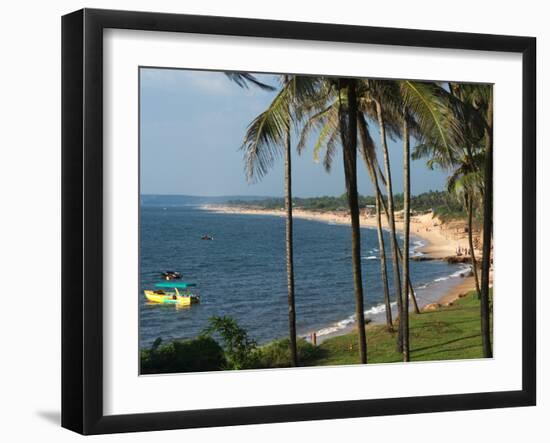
449 333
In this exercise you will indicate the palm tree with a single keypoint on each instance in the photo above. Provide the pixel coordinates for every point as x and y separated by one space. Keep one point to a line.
406 230
469 200
268 133
391 215
477 108
471 109
467 180
347 113
369 156
487 228
333 112
427 113
383 102
245 79
326 122
466 184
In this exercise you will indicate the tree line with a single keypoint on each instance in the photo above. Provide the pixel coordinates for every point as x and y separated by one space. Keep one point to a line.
437 201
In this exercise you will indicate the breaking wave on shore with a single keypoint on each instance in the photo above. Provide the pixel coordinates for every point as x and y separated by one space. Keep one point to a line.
346 324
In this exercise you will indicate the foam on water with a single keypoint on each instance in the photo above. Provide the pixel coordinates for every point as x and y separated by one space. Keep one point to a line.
380 308
349 321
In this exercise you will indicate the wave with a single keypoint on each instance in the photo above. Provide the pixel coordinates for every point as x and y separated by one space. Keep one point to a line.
462 272
338 326
348 321
370 257
381 307
413 250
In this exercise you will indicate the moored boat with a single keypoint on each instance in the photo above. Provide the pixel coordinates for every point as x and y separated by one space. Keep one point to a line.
171 275
175 297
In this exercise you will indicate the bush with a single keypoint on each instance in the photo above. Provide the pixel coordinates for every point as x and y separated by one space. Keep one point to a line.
240 350
277 354
199 354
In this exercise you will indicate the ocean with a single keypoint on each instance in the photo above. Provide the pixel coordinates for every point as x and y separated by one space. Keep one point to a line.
242 273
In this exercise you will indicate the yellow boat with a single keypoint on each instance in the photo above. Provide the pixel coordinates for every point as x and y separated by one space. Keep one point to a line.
172 298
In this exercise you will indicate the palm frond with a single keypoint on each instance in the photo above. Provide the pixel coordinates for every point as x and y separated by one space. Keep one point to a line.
265 136
244 79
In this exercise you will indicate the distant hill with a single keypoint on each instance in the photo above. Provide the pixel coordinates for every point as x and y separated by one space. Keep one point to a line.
191 200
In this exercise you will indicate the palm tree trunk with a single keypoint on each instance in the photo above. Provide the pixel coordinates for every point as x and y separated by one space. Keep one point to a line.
404 323
487 231
412 295
391 215
471 242
381 244
348 133
289 253
383 266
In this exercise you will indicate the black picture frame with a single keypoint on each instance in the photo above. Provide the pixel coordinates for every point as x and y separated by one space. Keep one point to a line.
82 215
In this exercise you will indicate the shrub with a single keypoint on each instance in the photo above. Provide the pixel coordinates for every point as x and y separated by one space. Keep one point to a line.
240 350
277 353
199 354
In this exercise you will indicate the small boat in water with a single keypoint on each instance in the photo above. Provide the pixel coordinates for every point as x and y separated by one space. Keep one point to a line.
175 297
171 275
207 237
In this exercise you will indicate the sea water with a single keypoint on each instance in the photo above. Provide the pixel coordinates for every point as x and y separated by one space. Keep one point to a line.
242 273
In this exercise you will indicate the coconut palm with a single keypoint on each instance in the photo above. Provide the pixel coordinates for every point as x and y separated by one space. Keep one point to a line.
333 113
347 114
487 223
368 152
467 180
426 114
476 102
326 124
379 90
404 320
471 125
245 79
268 137
466 184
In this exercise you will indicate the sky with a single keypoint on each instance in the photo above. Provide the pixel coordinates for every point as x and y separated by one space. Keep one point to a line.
192 124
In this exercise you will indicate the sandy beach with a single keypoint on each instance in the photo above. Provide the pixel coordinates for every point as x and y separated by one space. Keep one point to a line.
460 289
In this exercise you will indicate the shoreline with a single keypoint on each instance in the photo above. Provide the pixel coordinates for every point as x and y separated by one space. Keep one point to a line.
442 240
441 243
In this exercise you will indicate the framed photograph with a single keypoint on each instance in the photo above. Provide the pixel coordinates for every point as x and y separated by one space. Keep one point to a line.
269 221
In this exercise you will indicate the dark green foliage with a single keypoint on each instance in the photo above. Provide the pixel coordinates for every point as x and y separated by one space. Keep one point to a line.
439 201
446 214
448 333
240 350
277 353
199 354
